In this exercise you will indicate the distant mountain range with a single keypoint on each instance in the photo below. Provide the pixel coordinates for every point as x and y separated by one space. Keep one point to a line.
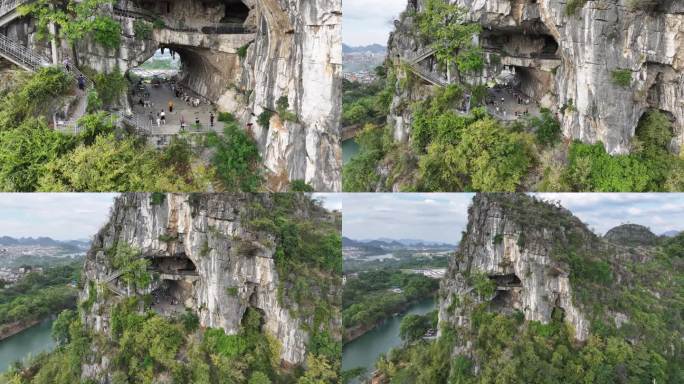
80 244
671 233
373 48
386 243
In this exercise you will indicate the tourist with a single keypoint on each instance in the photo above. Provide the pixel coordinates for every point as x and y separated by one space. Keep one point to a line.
151 118
170 106
81 82
182 122
158 122
141 102
67 64
162 116
211 119
197 122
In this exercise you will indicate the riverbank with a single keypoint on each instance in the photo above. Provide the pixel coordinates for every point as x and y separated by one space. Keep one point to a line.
354 333
9 330
365 350
27 344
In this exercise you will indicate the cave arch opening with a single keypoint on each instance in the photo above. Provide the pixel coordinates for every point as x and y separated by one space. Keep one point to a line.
175 81
173 289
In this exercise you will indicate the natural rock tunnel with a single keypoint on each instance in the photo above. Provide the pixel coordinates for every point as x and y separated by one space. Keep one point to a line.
174 286
505 298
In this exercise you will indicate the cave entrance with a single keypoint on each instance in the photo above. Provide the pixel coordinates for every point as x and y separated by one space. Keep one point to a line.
512 96
235 12
505 296
159 85
175 288
254 318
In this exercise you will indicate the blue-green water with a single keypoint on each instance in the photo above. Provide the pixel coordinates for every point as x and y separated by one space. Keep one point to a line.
364 351
29 342
349 149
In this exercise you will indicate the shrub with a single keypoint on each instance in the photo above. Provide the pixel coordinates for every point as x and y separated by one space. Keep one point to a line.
546 128
232 291
158 24
242 51
106 31
360 173
157 198
622 77
264 118
94 101
572 6
226 117
143 29
300 186
110 86
236 159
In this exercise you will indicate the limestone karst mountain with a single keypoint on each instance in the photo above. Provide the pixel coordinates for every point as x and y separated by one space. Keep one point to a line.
191 288
567 61
534 296
523 95
251 58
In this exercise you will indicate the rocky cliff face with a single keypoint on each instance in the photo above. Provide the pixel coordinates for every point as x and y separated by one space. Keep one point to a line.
205 258
295 52
511 241
566 62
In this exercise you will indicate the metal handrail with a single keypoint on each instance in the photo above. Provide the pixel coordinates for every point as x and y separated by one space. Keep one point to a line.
7 6
21 55
427 75
134 12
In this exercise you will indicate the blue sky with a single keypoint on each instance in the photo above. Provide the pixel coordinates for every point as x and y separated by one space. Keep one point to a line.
71 216
62 216
442 217
367 22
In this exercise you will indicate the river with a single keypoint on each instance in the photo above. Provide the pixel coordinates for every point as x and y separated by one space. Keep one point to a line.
365 350
31 342
349 149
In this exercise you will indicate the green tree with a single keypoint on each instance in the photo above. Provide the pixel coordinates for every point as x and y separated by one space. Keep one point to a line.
444 25
60 328
236 159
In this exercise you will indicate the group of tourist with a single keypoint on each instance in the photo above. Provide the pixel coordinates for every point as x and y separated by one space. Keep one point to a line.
499 102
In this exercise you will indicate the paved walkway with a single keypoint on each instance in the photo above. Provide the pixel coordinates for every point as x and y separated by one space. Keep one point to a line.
159 97
507 109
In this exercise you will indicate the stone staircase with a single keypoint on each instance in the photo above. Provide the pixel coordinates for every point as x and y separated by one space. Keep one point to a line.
21 56
70 126
413 63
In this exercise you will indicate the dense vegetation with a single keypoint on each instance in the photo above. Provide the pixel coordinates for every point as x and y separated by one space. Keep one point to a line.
645 285
38 295
76 20
450 151
368 299
104 157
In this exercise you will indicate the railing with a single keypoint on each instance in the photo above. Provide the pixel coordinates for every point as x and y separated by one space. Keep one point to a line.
133 12
421 54
21 55
228 29
428 76
7 6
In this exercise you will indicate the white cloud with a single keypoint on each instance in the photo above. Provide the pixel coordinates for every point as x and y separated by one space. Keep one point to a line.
441 217
62 216
369 21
